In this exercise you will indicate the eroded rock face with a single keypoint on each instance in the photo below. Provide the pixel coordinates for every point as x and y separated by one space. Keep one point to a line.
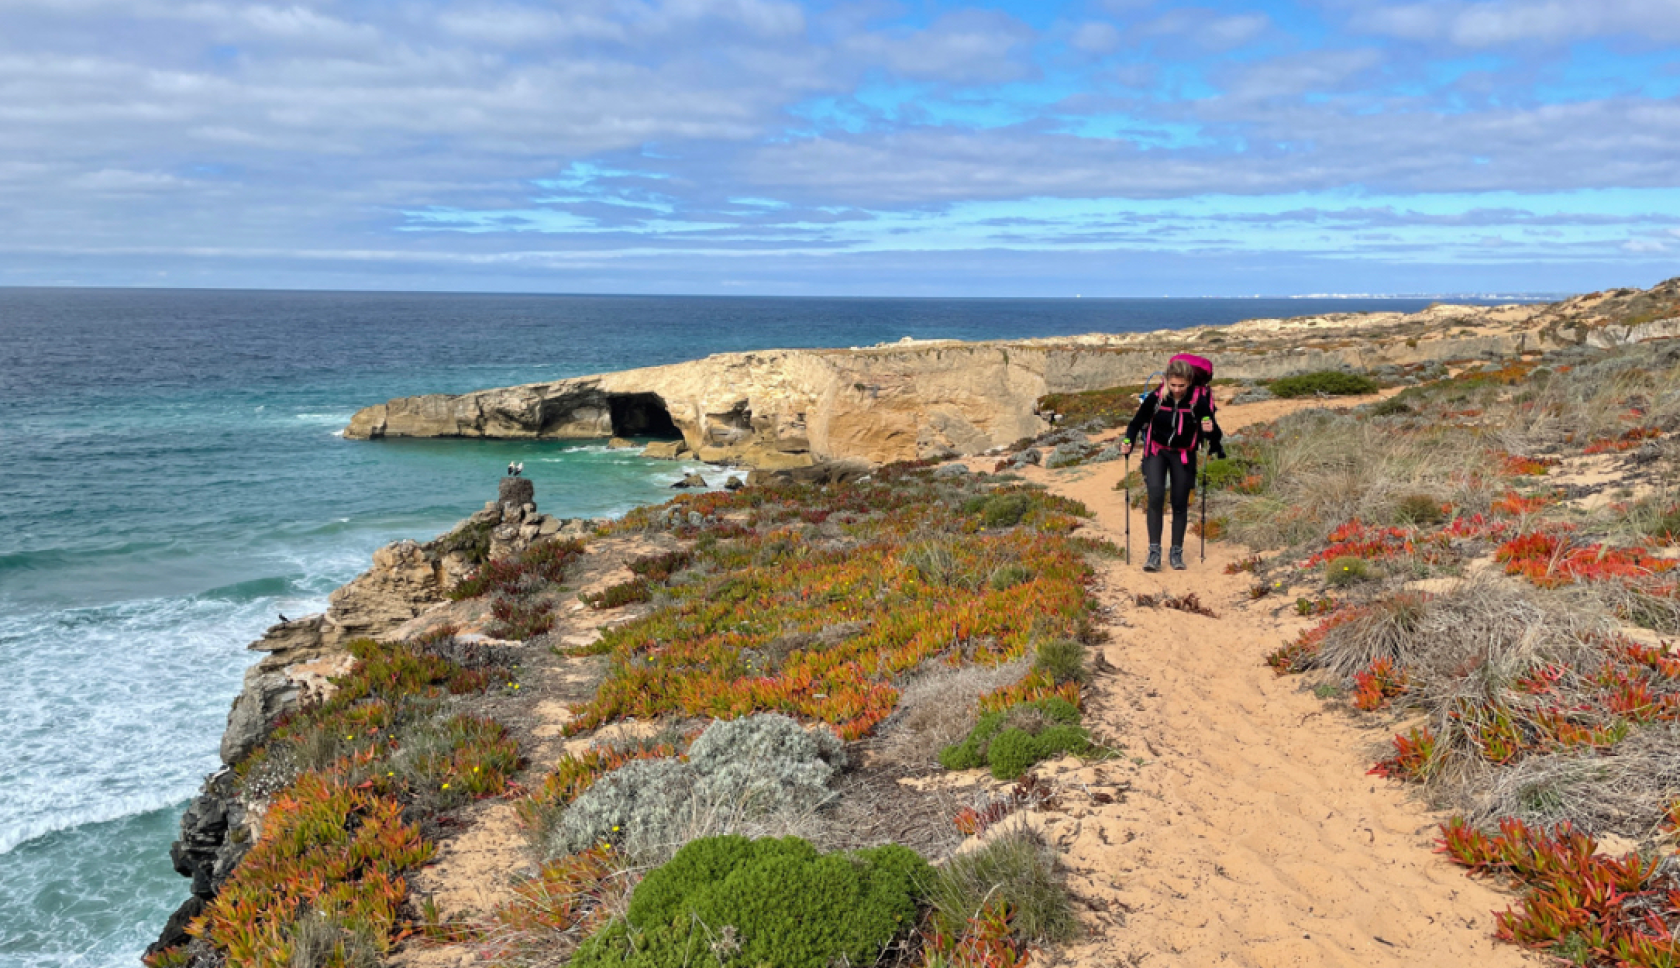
783 409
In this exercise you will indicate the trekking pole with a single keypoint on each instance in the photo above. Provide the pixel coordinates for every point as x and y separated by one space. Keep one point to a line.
1204 515
1126 482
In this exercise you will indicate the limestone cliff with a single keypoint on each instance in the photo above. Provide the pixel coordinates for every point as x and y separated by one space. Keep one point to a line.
928 398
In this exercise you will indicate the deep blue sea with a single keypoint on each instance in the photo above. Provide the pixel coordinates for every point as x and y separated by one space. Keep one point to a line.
171 478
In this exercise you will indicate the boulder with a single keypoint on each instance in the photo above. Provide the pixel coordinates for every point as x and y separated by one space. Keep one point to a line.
619 443
665 449
1066 455
266 695
690 480
733 484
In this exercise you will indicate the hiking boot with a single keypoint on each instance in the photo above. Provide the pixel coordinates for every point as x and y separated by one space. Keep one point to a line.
1176 558
1153 562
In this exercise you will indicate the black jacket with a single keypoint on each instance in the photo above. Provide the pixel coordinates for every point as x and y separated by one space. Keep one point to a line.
1163 420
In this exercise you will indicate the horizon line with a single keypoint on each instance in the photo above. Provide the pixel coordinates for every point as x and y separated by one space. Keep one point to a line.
1513 296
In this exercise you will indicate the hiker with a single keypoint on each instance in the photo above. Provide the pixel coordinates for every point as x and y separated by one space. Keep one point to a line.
1172 421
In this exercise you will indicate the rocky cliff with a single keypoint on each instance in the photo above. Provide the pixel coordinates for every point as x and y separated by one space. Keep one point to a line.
408 579
927 398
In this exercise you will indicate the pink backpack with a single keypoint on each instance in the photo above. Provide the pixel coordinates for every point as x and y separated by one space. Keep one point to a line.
1199 391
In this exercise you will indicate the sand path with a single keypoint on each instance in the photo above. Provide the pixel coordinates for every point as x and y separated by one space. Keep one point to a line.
1251 834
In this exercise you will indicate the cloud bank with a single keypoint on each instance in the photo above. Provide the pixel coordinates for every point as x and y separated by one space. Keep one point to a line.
1126 147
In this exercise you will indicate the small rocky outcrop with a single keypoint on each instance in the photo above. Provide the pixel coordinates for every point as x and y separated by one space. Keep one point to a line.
302 657
666 450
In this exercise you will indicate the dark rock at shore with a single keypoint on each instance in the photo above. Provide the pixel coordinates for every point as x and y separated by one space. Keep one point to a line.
175 929
690 480
207 852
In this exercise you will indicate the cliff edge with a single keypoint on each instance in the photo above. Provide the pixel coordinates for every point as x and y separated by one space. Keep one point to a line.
938 398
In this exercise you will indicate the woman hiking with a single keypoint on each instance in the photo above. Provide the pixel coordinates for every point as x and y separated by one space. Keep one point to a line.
1171 422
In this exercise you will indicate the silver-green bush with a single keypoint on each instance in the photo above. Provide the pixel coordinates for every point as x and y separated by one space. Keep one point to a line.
762 774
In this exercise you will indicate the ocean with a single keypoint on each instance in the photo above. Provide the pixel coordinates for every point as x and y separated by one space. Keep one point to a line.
171 478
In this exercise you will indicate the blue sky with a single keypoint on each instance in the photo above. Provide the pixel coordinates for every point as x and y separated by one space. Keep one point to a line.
1115 147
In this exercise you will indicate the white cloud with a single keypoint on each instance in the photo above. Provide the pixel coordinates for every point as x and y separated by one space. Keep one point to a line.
966 47
1096 37
1315 72
1493 23
1205 29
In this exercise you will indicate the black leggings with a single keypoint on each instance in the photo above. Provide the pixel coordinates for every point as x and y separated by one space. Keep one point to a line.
1156 469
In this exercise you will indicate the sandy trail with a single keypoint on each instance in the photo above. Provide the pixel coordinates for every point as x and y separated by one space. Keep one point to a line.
1251 834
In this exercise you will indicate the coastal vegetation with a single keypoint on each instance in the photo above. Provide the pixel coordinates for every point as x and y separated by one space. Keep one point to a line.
352 785
1327 383
751 680
786 623
1511 623
822 605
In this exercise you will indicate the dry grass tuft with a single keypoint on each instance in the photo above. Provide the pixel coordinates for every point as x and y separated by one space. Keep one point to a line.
1627 792
938 707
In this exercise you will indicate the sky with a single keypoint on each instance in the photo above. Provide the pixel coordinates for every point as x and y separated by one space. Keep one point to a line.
1102 148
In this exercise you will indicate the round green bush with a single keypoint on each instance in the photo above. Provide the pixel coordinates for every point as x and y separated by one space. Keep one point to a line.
1348 570
730 902
1419 509
1333 383
1064 660
1004 510
1023 724
1222 473
1014 751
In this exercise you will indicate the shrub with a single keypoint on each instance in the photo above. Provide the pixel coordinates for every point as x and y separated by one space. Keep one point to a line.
1004 510
1220 474
1011 740
1392 407
1332 383
1014 750
620 595
661 566
766 738
1347 570
520 618
544 562
1113 406
738 770
321 940
1015 870
1419 509
471 540
729 901
1064 660
1005 577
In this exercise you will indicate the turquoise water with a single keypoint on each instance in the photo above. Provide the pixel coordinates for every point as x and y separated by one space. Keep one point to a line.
171 478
